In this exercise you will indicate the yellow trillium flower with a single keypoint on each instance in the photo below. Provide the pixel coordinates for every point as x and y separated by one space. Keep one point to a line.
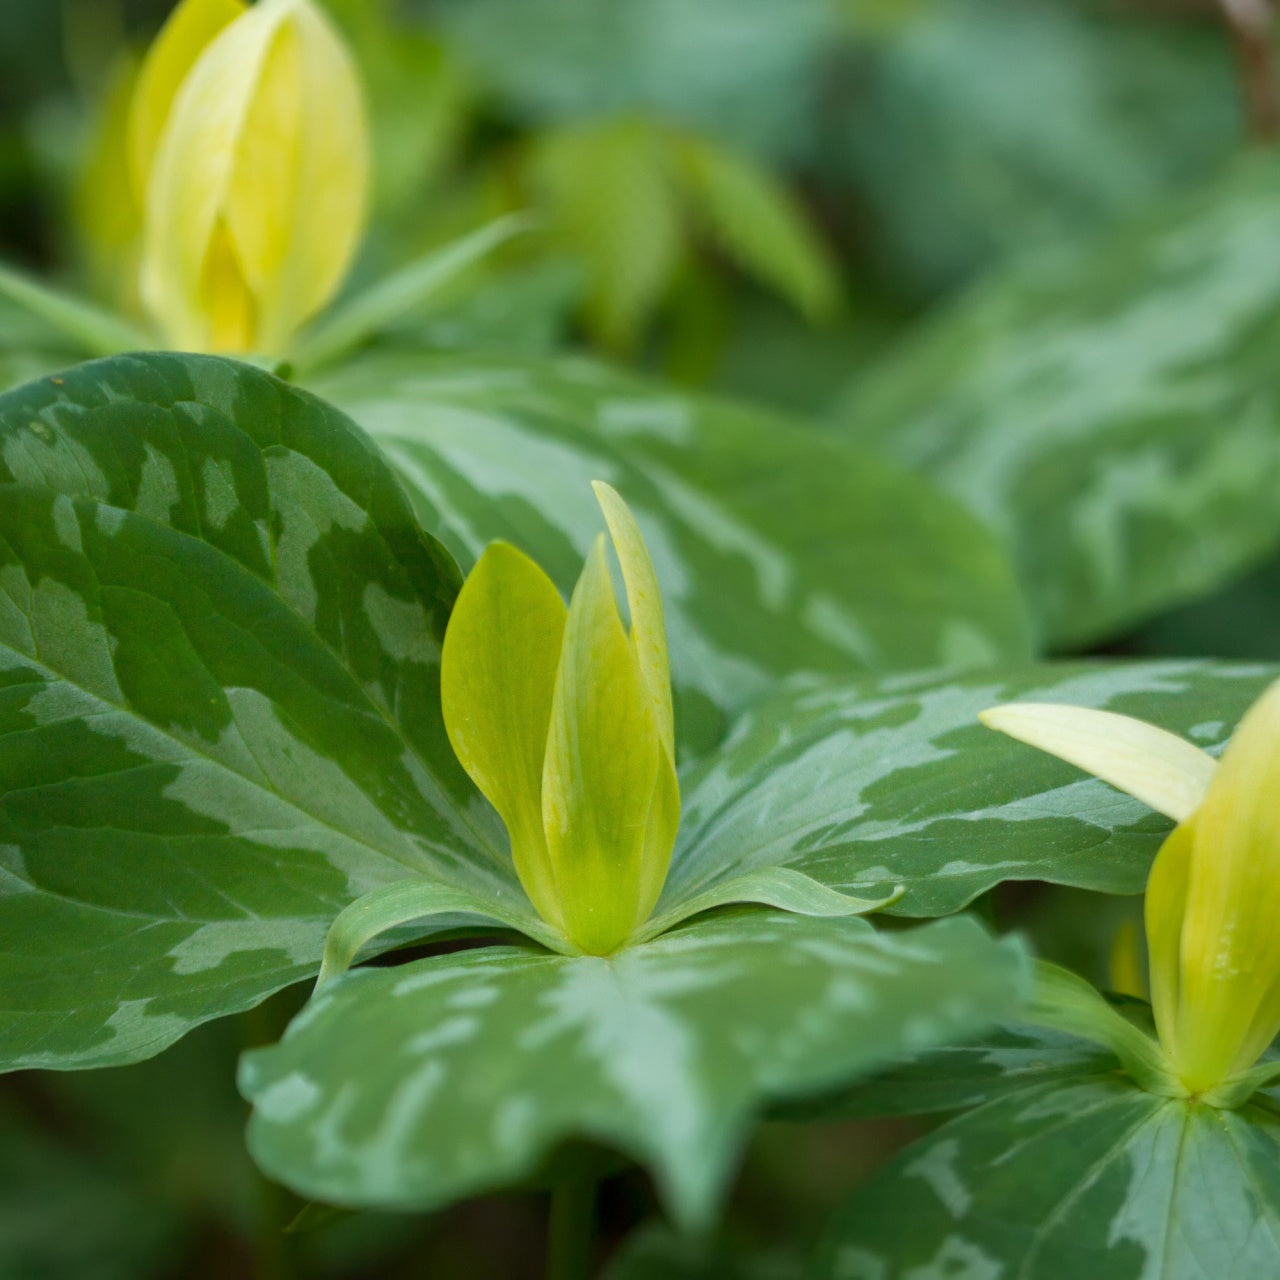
563 719
248 154
1213 896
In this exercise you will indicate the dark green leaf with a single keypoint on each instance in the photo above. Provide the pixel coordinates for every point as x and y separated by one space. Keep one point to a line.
219 716
742 72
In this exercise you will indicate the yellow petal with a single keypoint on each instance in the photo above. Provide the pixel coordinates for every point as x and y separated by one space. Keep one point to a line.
267 135
108 215
644 600
497 678
1164 909
183 38
1229 1000
227 302
1124 965
1162 770
298 243
604 765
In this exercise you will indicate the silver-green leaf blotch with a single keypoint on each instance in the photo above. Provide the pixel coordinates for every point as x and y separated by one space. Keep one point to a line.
1066 1168
867 784
414 1086
1113 413
777 550
219 709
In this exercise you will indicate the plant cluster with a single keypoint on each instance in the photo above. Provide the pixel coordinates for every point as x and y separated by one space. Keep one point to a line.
555 775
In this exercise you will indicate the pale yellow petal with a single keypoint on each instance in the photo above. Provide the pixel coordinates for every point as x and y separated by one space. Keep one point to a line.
1124 964
299 191
107 213
644 601
190 28
193 169
227 303
1164 771
602 769
266 135
497 678
1164 908
1230 978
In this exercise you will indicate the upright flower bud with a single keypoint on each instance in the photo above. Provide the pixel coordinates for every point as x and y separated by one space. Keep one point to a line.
248 146
1213 896
563 719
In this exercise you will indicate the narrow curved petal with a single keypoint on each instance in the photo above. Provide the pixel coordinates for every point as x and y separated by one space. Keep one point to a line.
190 28
644 600
602 768
1157 767
298 193
192 171
1164 909
497 677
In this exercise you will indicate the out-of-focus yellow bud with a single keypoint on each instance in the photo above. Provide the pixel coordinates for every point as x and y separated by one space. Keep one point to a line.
190 29
105 207
249 142
1213 896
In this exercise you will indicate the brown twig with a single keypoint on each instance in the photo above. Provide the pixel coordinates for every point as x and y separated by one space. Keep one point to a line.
1251 23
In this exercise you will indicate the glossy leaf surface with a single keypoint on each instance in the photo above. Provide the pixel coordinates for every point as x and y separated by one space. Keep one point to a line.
414 1086
1084 1174
868 784
219 713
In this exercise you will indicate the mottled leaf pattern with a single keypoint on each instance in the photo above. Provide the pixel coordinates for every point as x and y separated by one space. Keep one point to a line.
1114 413
776 550
219 708
413 1086
1084 1176
1009 1060
867 784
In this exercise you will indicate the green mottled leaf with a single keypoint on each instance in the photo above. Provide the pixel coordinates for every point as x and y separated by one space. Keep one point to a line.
776 550
219 707
867 784
414 1086
1062 1178
219 720
1112 413
960 1077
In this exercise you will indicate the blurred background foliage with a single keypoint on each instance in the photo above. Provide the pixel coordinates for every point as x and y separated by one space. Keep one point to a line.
751 193
758 196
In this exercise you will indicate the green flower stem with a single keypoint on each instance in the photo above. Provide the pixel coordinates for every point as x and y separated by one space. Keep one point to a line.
572 1228
96 331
